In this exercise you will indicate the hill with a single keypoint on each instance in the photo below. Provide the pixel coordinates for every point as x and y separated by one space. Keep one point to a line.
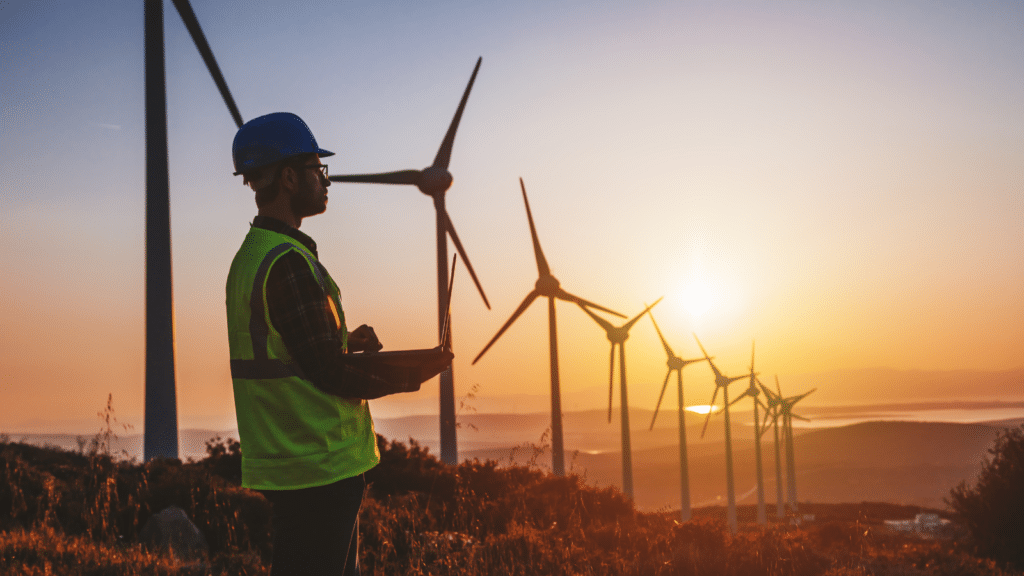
72 514
901 462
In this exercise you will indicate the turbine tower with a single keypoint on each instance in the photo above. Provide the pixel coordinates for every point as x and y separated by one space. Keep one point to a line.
753 391
722 382
546 285
617 336
676 364
434 181
160 439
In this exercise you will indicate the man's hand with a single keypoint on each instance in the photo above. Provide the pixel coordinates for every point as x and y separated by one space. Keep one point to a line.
363 339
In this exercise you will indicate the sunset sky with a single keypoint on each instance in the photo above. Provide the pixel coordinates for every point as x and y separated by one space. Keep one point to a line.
843 183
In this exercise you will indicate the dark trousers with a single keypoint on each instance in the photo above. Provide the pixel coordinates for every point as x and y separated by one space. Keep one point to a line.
316 530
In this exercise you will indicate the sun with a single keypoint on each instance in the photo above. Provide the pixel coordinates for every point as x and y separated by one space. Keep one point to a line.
698 298
702 409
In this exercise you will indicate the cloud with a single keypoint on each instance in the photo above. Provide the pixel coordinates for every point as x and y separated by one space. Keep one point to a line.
105 126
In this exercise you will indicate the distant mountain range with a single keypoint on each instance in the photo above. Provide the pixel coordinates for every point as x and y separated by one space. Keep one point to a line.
887 386
837 387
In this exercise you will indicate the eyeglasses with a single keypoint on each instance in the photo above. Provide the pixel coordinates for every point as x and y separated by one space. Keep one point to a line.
321 167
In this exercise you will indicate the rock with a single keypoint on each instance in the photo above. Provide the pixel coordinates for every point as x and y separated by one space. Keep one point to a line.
172 531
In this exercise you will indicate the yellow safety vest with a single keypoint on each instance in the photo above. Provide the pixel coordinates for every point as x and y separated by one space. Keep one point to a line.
292 435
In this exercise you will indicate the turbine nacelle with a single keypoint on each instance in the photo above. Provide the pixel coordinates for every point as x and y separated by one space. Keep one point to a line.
434 181
618 335
548 285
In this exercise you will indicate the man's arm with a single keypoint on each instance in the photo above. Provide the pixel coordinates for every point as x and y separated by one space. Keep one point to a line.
300 312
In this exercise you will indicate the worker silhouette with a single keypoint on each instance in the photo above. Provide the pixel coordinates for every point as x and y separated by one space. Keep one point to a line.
304 422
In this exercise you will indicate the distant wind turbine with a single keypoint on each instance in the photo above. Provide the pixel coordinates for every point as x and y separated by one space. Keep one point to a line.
786 409
676 364
160 438
722 382
549 286
617 336
434 181
773 402
753 391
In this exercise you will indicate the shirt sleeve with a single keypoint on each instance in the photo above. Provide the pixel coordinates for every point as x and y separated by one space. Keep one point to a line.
300 311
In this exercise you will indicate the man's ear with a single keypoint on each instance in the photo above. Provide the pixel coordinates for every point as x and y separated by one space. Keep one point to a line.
289 180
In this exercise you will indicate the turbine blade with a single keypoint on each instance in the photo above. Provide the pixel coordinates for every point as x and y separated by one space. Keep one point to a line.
799 417
762 405
694 361
735 378
446 339
640 315
740 397
767 391
465 258
192 24
444 153
563 295
708 358
664 343
766 423
604 323
660 396
522 307
796 399
611 377
398 177
542 263
710 412
777 387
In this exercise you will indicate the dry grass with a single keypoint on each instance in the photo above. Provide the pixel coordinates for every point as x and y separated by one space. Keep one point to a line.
69 513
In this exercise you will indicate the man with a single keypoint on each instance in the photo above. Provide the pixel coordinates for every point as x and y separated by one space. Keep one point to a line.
303 419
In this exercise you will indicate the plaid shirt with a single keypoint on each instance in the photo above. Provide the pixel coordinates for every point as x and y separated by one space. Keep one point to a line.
300 312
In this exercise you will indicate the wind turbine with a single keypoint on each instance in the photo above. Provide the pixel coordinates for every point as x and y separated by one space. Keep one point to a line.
434 181
786 409
774 401
676 364
722 382
753 391
161 413
546 285
618 335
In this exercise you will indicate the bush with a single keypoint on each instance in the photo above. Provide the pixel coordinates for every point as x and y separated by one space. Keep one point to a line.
992 511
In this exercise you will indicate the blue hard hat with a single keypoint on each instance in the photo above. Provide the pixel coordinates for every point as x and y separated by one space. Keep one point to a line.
271 138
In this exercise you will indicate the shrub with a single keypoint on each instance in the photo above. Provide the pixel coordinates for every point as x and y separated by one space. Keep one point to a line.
992 511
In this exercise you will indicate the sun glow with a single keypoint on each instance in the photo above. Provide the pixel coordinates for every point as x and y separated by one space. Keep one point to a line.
698 299
703 409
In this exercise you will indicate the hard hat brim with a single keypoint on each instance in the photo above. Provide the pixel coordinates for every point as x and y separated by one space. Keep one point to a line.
319 152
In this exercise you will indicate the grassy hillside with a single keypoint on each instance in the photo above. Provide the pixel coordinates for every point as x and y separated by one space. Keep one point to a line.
69 513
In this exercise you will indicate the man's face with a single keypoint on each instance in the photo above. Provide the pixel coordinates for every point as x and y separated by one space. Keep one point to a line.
310 198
